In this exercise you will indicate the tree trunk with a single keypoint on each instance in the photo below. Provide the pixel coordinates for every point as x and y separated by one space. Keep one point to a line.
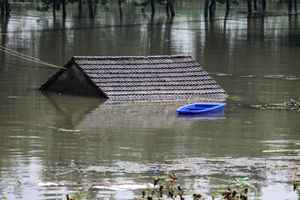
255 5
290 6
206 5
170 8
64 9
120 10
91 8
2 8
249 4
167 9
54 9
212 8
264 4
79 7
227 7
5 8
152 8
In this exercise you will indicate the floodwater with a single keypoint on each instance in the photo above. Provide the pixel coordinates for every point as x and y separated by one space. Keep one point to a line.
52 145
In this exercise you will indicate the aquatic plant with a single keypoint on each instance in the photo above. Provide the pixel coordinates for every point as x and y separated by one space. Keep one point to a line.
4 198
169 188
163 188
238 189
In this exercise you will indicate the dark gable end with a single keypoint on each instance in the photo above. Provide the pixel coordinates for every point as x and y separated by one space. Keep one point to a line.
129 78
72 80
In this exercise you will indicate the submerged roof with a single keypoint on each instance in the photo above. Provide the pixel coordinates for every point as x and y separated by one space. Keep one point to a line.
128 78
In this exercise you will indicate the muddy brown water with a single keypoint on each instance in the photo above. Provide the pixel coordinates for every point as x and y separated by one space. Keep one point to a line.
52 145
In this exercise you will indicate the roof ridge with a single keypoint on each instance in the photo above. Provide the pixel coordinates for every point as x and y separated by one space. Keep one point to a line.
131 57
137 77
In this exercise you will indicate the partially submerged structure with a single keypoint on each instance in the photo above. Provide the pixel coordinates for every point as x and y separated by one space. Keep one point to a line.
128 78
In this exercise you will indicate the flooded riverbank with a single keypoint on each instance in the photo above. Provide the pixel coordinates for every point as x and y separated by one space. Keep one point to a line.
54 145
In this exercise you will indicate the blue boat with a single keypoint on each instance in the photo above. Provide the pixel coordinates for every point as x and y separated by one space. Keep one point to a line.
201 108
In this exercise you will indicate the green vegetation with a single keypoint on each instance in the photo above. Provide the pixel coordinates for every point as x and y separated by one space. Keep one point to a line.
4 198
168 187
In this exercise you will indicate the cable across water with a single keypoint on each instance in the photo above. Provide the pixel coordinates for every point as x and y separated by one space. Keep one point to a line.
27 57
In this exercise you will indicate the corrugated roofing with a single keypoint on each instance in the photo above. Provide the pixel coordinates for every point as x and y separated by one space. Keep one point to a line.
151 78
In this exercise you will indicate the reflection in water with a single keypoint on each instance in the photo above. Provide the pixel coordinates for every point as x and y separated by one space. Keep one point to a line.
74 111
53 145
208 116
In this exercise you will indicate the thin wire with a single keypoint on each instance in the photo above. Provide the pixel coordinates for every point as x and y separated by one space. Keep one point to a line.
27 57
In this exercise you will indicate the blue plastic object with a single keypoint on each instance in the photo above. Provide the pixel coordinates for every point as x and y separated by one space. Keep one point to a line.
201 108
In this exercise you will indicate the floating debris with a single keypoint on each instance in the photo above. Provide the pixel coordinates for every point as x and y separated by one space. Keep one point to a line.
248 76
118 187
291 78
223 74
234 98
48 184
257 106
13 97
281 151
283 77
56 184
68 130
274 76
290 105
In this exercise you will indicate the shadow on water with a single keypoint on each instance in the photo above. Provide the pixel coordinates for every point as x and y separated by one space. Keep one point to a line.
72 108
204 117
